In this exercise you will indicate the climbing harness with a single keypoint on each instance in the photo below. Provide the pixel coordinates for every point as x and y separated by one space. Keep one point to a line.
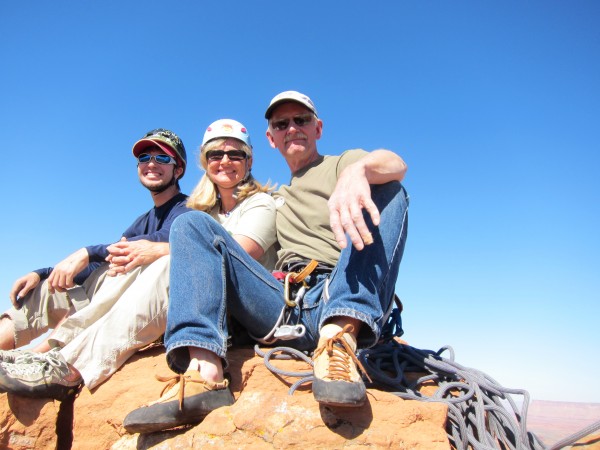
295 287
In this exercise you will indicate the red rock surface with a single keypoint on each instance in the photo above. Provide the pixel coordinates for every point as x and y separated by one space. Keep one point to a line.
263 417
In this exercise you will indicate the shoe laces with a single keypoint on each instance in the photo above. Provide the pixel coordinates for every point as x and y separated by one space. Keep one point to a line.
20 356
29 357
182 380
19 369
29 364
340 355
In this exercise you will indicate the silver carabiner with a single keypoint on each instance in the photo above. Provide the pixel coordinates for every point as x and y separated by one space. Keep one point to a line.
287 332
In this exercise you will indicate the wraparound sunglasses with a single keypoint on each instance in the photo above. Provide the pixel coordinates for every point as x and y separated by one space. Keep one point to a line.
145 158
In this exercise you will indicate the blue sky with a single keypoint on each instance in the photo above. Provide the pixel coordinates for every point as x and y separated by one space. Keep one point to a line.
495 106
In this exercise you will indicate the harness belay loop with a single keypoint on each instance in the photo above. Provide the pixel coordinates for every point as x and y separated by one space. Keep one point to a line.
294 289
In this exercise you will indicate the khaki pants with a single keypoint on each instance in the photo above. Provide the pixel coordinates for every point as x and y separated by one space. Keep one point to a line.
135 319
42 311
106 295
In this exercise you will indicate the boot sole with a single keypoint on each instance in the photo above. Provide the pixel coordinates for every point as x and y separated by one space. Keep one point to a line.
339 393
54 391
163 416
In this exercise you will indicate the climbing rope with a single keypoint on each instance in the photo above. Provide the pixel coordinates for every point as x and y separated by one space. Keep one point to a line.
477 413
287 353
481 413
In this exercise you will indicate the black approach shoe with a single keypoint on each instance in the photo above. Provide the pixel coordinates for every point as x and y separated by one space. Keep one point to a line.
186 400
337 381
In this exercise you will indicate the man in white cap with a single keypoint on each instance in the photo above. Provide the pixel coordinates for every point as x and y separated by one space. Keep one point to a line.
350 285
355 196
42 299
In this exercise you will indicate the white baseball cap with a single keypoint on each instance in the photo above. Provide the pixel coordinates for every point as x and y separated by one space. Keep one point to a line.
290 96
227 128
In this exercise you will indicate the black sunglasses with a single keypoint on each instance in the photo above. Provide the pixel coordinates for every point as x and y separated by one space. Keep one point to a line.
145 158
233 155
283 124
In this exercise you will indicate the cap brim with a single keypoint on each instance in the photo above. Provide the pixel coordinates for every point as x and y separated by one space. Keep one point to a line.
270 109
143 144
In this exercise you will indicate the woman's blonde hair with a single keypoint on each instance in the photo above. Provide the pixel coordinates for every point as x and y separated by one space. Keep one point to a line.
206 194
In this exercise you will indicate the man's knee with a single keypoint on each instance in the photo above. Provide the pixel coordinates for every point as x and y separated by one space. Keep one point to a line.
7 333
392 192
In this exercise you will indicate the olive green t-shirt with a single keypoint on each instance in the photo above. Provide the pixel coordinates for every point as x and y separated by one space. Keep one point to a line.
303 229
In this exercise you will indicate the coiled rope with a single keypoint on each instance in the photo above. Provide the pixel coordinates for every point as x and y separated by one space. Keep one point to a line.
478 415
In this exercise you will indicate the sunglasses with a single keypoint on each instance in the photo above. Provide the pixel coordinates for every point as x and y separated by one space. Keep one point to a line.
233 155
145 158
283 124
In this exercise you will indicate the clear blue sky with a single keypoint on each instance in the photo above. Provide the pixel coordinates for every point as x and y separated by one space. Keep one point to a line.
495 106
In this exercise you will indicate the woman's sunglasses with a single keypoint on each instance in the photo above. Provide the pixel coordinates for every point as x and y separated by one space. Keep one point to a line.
145 158
283 124
233 155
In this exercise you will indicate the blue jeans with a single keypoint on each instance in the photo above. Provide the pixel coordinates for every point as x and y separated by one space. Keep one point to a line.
212 276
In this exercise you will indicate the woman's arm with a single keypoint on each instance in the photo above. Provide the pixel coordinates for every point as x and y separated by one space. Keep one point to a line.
250 245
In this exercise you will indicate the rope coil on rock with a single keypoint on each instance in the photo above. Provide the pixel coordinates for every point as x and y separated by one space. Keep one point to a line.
478 414
481 413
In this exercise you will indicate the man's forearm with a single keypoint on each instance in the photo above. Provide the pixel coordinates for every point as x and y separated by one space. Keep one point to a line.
382 166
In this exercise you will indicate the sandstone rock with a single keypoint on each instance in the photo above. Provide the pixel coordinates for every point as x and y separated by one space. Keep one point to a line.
28 423
591 442
263 417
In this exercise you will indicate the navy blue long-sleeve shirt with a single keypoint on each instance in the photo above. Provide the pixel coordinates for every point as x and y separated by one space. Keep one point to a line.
154 226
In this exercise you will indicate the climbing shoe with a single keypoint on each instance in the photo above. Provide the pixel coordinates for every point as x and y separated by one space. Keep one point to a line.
186 399
336 378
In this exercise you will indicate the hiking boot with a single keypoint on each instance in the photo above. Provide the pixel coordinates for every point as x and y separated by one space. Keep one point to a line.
337 381
42 377
186 399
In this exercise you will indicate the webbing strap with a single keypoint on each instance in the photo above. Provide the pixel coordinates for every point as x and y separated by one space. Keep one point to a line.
294 278
300 276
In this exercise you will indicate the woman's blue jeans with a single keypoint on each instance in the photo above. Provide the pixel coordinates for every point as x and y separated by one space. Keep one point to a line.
212 276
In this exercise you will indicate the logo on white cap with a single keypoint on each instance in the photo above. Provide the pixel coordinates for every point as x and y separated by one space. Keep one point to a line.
227 128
